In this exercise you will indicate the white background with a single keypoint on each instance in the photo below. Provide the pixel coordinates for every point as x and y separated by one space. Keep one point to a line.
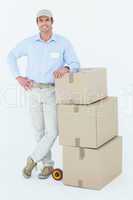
102 34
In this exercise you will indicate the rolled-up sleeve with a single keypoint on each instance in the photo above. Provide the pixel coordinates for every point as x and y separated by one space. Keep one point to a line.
70 57
17 52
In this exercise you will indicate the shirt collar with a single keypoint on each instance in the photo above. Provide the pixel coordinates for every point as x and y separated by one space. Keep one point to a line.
38 38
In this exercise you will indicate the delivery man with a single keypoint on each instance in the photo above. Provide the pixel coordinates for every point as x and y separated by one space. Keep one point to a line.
49 56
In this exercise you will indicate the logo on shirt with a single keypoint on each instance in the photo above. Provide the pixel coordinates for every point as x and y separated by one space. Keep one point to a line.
54 55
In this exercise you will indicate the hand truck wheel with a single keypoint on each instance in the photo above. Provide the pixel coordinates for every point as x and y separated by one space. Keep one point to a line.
57 174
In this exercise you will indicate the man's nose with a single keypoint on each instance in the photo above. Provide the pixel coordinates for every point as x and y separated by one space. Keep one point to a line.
44 23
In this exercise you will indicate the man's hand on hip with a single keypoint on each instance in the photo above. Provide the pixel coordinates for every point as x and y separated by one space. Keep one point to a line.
24 82
60 72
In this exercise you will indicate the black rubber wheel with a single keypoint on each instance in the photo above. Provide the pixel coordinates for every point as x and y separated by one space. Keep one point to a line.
57 174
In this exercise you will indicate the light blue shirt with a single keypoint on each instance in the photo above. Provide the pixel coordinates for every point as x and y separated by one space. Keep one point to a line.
43 58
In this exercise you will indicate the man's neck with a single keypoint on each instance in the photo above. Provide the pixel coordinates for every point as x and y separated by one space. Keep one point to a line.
46 36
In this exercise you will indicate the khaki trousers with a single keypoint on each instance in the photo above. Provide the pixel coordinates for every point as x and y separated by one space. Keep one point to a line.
43 112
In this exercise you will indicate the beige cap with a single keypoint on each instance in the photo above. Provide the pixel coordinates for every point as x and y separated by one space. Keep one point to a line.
44 12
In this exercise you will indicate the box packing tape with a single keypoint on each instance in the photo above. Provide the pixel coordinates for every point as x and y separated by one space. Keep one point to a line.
71 77
80 183
75 108
81 153
77 142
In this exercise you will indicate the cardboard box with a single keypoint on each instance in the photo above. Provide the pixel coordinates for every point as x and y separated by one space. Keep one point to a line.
92 168
88 125
83 87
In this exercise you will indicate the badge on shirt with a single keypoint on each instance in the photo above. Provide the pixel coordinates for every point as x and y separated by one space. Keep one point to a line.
54 55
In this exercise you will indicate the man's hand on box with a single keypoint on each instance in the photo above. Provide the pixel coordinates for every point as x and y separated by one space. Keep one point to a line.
24 82
61 72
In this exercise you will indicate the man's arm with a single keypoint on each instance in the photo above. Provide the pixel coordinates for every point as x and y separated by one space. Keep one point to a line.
70 57
17 52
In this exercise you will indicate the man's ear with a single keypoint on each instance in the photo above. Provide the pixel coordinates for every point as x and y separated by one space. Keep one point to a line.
52 20
37 20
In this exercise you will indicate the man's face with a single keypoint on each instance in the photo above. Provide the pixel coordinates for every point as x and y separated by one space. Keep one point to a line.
44 24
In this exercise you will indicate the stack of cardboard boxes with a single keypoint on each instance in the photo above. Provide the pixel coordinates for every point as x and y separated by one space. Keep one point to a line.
88 129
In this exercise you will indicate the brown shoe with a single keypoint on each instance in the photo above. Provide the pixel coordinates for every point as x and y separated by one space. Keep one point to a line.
28 168
46 172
